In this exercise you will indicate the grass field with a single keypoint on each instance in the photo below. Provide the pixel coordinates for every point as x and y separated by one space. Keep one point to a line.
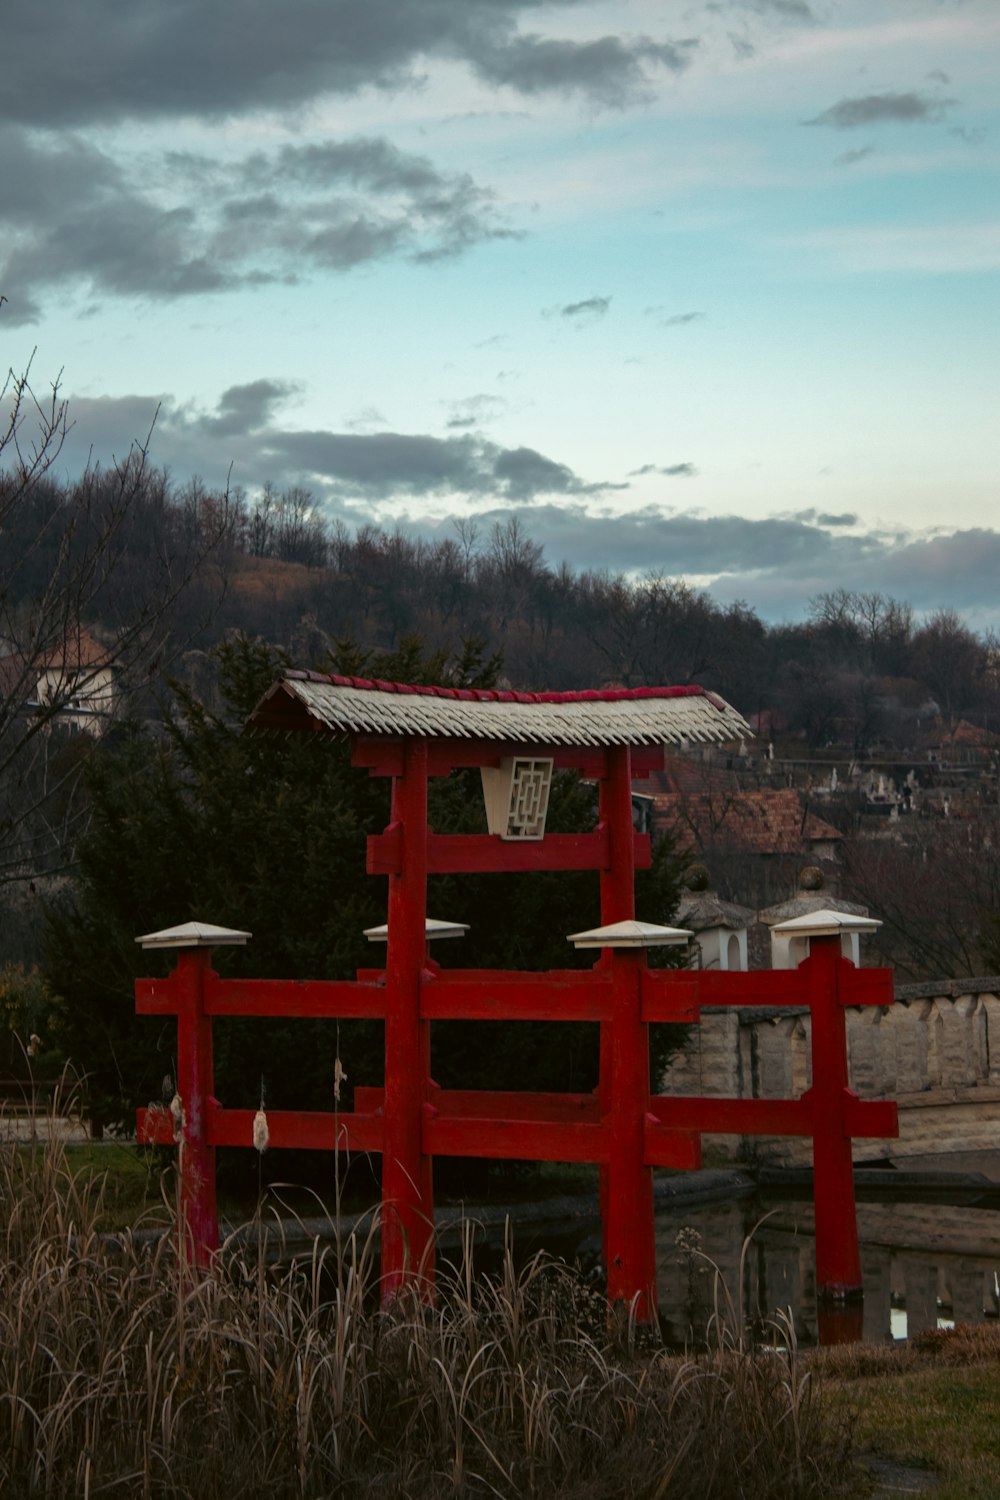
932 1405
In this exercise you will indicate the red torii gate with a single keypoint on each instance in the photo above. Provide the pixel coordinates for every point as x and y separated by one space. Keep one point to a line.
613 737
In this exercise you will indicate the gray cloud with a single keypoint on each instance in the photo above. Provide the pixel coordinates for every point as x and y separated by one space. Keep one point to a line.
663 319
610 70
850 158
473 411
247 408
590 308
912 108
844 518
367 466
795 10
384 465
68 64
74 216
671 471
775 564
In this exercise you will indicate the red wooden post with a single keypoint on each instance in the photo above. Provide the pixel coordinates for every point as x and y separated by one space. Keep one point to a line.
628 1229
196 1158
617 905
407 1192
838 1260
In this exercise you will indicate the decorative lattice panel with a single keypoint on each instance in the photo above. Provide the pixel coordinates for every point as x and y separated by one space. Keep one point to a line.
529 798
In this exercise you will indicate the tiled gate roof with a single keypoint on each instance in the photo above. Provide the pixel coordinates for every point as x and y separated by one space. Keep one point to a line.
617 716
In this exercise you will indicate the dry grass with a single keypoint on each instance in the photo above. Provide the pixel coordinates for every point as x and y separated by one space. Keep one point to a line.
122 1372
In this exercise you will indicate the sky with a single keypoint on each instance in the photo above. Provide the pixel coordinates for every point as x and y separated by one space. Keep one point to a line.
702 289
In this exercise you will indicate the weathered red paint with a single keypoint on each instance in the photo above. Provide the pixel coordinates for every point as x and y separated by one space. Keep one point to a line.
620 1127
483 853
407 1199
199 1219
838 1261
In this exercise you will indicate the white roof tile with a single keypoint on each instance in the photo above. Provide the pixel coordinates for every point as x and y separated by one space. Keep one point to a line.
637 717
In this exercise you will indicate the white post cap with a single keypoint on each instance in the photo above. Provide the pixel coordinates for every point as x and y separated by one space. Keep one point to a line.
630 935
433 928
826 924
195 935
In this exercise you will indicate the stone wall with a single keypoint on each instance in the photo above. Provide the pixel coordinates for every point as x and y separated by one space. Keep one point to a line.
936 1051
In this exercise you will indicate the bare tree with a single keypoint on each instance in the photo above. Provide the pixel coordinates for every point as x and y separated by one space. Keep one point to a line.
94 576
936 888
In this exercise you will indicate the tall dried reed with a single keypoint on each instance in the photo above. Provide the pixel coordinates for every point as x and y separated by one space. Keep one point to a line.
122 1372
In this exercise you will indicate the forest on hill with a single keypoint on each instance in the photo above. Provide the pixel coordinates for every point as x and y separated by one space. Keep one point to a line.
862 671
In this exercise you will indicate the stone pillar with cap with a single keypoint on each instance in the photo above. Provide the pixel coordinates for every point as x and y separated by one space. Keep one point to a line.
193 1098
789 944
720 927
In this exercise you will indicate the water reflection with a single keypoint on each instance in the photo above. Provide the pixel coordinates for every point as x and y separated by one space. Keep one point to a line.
924 1266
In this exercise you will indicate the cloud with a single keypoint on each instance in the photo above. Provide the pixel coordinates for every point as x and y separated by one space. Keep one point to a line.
393 465
792 10
663 319
248 408
588 310
875 109
372 467
473 411
672 471
74 216
611 70
844 518
776 564
851 158
63 63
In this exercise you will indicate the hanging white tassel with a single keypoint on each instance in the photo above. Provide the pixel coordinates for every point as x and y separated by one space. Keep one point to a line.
177 1110
261 1134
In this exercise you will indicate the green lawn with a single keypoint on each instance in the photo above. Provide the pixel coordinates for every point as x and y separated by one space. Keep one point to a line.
933 1406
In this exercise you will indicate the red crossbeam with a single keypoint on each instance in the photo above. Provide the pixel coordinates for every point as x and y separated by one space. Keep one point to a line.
791 987
561 995
302 1129
318 998
733 1116
486 853
384 757
513 1140
862 1118
669 995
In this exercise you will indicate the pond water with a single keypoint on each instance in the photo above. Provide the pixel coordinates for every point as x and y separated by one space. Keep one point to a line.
925 1265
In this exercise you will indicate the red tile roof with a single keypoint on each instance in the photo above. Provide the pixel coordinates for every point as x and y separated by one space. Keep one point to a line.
686 776
78 650
771 822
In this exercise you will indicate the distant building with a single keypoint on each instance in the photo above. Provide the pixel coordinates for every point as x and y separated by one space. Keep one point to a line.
76 679
762 823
